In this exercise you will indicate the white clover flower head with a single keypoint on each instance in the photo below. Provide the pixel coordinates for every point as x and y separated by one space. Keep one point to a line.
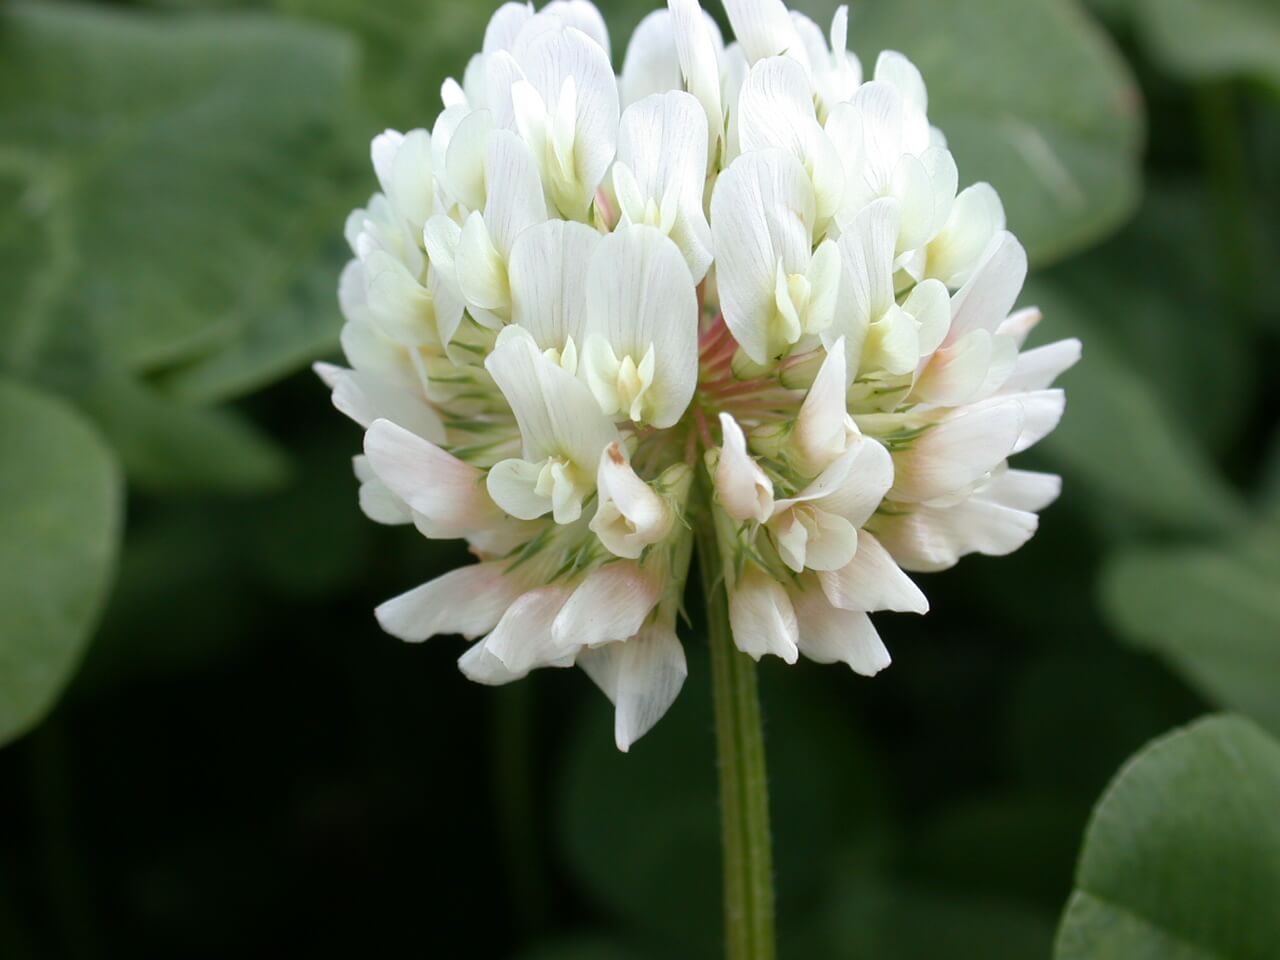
732 291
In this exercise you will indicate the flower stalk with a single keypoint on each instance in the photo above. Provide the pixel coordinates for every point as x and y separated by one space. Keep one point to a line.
744 791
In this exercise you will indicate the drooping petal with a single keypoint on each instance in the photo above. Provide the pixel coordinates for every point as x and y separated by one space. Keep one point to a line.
470 601
871 581
927 539
523 639
611 604
762 618
828 634
640 676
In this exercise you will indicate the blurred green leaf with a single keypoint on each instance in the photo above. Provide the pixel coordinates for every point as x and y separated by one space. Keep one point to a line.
1212 612
174 172
641 829
1182 858
168 446
876 920
60 517
1118 437
1201 39
1032 97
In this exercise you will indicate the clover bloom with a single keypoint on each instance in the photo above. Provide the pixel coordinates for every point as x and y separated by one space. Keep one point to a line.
729 293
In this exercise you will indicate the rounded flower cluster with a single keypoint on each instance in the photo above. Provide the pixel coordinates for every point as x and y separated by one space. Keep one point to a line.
733 292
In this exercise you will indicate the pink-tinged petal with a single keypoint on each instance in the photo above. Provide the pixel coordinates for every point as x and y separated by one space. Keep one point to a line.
741 486
610 604
449 495
523 639
959 451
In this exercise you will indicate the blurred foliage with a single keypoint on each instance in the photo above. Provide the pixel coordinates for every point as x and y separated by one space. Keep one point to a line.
245 764
1187 878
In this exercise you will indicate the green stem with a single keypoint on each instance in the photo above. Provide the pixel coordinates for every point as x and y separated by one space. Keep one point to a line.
744 790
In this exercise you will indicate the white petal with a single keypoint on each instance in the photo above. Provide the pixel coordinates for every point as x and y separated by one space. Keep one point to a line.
640 676
464 170
762 213
989 294
469 601
761 617
868 478
630 516
1022 490
447 493
821 432
651 64
1037 369
866 286
763 28
548 274
698 46
480 270
611 604
1019 324
570 54
366 397
974 219
377 502
871 581
556 412
831 635
892 67
523 638
663 142
955 373
775 109
958 451
1042 409
641 297
505 25
934 538
514 199
741 486
581 15
512 484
